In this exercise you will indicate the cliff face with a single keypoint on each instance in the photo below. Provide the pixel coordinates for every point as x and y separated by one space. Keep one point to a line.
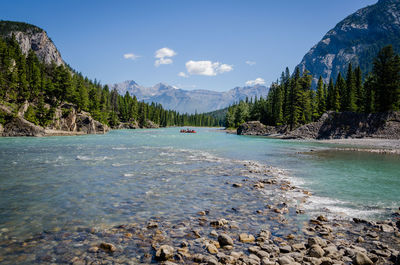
356 39
66 121
31 37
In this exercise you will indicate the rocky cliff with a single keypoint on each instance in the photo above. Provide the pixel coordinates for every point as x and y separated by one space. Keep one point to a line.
32 37
356 39
66 121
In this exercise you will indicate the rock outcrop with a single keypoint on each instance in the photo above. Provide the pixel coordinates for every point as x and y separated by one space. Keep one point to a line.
334 125
69 123
356 39
257 128
32 37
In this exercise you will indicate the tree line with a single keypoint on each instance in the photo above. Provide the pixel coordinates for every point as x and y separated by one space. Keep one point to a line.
292 101
26 78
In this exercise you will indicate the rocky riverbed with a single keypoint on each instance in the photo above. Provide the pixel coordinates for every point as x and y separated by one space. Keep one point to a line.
278 232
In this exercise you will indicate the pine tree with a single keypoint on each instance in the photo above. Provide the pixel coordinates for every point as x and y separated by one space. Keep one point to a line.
349 98
330 100
320 97
359 90
340 92
386 72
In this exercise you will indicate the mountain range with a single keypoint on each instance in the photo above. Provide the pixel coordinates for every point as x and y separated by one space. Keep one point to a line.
192 101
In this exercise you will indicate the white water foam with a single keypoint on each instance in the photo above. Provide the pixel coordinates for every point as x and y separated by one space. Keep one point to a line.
87 158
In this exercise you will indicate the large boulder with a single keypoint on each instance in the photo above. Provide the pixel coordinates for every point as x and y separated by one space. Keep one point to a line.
252 128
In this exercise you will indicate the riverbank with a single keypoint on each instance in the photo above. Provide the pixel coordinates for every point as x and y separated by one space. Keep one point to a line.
229 236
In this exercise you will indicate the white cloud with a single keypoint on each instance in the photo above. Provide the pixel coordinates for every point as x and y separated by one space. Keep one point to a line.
165 52
207 68
131 56
163 61
250 63
163 55
257 81
182 74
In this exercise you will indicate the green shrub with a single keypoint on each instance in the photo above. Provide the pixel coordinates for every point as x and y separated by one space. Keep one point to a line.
30 115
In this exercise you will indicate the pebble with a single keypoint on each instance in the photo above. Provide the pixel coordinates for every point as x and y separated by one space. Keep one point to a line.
152 224
107 247
225 240
212 248
362 259
164 252
316 251
246 238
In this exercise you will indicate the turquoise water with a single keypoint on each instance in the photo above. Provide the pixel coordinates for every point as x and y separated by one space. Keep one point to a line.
133 175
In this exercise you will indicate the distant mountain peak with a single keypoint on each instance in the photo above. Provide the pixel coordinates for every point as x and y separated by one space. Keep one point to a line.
184 101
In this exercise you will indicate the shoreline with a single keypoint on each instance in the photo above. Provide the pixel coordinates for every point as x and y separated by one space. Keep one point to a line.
288 236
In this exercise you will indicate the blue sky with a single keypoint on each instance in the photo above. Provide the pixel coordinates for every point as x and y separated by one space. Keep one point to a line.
193 44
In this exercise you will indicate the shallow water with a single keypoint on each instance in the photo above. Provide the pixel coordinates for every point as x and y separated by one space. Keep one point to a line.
54 183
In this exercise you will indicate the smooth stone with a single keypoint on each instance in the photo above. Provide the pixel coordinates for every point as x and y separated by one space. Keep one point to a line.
237 185
286 260
152 224
254 249
219 223
360 239
210 260
322 218
362 259
262 254
213 233
254 257
285 249
225 240
198 257
212 249
93 249
316 251
108 247
169 263
236 255
298 247
266 261
326 261
330 250
246 238
316 241
164 252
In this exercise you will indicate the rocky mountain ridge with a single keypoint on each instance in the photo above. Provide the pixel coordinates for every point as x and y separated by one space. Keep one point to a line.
356 39
189 101
32 37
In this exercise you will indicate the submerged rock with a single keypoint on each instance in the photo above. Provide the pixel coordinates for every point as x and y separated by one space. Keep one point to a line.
107 247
